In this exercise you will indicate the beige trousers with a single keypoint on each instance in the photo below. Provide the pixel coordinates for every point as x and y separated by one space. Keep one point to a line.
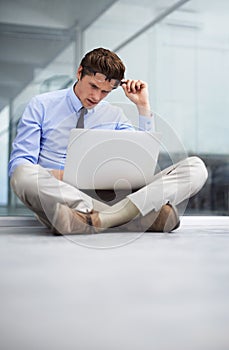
40 191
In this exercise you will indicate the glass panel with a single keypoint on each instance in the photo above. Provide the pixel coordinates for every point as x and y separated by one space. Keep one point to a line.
121 21
184 59
4 147
57 75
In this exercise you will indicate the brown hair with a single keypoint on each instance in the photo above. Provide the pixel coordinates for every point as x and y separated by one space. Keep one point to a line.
104 61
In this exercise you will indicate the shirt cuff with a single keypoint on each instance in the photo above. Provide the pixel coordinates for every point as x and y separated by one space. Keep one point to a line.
146 123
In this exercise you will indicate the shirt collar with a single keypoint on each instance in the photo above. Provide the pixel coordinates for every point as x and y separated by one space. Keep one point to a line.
75 101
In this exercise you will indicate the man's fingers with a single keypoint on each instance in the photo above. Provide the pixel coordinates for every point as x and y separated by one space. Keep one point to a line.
138 85
133 86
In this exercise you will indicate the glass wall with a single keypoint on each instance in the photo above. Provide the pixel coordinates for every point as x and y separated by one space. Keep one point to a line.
58 74
4 146
181 49
184 58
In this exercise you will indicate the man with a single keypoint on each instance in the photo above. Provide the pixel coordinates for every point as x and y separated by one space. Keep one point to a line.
39 151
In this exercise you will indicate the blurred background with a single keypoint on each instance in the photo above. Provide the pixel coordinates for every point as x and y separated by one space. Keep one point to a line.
181 48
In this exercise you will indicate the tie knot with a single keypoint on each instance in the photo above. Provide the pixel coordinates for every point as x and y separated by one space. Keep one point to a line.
83 111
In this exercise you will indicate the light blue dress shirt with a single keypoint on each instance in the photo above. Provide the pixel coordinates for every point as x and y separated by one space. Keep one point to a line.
43 131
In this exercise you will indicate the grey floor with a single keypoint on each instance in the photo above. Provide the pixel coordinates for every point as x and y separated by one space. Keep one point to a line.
115 291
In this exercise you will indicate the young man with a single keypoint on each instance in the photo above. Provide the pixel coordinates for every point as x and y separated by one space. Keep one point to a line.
39 151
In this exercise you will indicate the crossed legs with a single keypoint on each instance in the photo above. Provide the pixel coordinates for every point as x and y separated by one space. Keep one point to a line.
41 192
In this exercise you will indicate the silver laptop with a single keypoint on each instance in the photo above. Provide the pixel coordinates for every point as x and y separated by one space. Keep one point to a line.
111 159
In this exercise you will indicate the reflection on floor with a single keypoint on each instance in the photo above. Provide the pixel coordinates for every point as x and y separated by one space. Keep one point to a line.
115 291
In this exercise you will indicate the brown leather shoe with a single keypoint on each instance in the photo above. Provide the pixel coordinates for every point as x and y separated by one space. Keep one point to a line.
164 220
43 221
70 221
167 219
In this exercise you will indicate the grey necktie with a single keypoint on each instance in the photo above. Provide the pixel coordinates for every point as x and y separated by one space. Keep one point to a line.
80 122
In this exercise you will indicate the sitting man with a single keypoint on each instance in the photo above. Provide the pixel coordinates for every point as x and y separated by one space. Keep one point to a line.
39 151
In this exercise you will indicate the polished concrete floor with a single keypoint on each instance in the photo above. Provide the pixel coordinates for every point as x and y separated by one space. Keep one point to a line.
115 291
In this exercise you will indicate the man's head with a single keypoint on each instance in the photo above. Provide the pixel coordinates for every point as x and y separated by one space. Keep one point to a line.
100 72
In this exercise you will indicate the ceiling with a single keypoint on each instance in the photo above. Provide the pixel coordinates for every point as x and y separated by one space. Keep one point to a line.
33 32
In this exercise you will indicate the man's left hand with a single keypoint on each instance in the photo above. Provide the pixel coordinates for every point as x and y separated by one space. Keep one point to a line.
137 92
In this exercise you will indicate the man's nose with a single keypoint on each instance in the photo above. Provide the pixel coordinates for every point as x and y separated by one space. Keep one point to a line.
97 96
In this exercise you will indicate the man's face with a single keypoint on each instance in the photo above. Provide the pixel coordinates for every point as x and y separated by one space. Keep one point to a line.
90 90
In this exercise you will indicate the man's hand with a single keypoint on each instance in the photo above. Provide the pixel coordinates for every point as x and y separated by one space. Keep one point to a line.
58 174
137 92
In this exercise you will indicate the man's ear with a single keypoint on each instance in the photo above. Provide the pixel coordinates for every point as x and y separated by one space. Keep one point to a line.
79 72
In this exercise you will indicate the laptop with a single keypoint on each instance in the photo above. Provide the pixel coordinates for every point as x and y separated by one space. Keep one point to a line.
111 159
